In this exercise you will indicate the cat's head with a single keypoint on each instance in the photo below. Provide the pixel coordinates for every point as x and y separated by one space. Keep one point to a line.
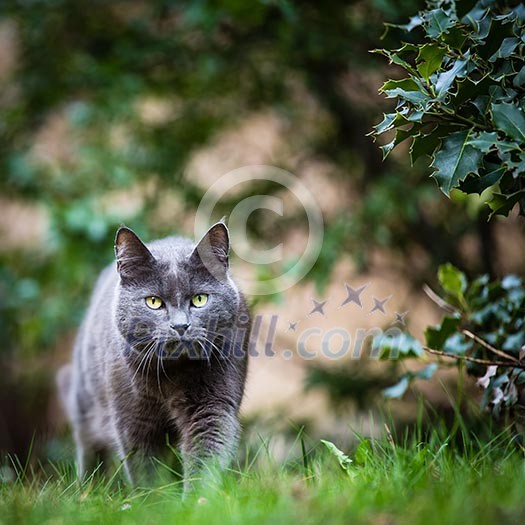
173 293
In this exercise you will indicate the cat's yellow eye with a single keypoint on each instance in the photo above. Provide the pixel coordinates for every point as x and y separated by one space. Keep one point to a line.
199 300
154 302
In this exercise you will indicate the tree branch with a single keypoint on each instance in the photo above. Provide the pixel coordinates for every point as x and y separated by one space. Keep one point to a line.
473 359
488 346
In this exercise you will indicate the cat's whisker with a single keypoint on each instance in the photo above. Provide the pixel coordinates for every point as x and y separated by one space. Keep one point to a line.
159 360
201 344
152 353
145 368
219 356
143 358
144 364
214 345
165 373
205 333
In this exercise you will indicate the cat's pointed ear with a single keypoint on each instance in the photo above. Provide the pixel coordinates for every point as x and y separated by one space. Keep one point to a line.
133 258
213 249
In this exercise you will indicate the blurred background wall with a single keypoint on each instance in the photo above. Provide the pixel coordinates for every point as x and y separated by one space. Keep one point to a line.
129 111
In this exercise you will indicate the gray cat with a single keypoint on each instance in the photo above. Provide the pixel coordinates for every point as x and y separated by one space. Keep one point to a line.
161 356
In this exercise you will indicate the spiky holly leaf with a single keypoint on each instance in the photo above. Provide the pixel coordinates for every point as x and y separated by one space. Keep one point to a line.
510 119
455 160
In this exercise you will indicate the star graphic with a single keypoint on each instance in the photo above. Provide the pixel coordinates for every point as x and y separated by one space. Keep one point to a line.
292 326
400 318
379 305
318 307
353 295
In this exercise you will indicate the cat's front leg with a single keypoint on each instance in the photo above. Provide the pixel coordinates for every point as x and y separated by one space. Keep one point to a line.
137 466
85 455
124 452
133 450
209 443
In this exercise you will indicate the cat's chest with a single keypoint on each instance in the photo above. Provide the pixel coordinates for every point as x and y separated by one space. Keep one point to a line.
175 396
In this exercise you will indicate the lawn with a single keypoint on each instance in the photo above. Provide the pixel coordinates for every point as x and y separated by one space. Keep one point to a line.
436 480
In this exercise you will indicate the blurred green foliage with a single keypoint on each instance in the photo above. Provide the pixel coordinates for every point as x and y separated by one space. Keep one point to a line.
211 64
483 331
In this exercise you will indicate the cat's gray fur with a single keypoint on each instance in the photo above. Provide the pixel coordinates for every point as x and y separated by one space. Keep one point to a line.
122 395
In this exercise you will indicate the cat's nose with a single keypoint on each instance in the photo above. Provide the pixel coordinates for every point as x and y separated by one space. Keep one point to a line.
180 328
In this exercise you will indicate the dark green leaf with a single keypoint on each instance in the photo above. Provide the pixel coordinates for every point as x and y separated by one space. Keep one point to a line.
436 336
506 146
437 22
429 59
506 49
478 184
423 145
394 58
390 120
481 104
484 140
509 118
517 167
388 147
446 79
406 89
477 13
488 141
501 71
519 79
455 38
502 204
415 115
406 84
414 22
455 160
401 135
479 20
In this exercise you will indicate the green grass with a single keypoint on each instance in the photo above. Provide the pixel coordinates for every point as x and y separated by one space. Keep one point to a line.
411 482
